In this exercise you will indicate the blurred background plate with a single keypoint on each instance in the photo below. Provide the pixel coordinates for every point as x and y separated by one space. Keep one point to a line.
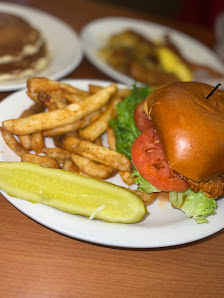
96 33
62 40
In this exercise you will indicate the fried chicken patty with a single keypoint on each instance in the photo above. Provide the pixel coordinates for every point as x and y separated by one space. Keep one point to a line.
213 188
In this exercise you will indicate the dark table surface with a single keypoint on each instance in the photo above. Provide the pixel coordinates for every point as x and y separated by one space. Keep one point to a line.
38 262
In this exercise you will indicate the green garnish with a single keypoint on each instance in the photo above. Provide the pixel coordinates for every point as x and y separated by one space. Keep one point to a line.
195 205
124 126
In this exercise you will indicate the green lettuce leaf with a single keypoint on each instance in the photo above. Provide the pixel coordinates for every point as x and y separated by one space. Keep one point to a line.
124 126
195 205
177 199
143 184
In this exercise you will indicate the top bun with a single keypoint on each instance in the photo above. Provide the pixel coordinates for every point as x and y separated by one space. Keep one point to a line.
190 128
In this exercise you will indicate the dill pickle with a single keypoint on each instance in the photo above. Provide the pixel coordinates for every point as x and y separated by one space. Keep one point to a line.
70 192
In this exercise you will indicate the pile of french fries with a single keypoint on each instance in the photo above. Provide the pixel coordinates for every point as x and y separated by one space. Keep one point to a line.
76 120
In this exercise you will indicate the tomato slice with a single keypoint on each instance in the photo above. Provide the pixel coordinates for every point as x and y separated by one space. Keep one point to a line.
149 159
141 119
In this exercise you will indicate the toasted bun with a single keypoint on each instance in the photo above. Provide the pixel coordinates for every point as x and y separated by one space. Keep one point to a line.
190 128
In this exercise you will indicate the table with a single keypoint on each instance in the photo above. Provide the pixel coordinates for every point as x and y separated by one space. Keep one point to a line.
38 262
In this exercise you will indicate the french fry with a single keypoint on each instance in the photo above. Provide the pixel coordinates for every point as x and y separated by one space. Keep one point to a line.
58 140
125 175
90 118
58 153
73 133
91 168
75 97
124 92
37 142
60 101
98 141
73 126
147 198
44 161
12 142
62 129
51 100
33 96
98 153
94 88
97 128
163 196
68 165
60 117
111 138
36 108
26 141
44 99
38 84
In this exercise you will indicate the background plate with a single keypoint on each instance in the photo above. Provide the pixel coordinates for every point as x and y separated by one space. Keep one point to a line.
95 35
63 42
162 226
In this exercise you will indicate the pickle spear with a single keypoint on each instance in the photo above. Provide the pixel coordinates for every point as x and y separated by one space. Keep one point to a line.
70 192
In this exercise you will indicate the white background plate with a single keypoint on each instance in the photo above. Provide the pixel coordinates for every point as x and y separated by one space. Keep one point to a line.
164 226
63 42
95 35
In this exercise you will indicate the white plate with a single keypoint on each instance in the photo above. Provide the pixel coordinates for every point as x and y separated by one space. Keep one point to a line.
95 35
63 42
164 226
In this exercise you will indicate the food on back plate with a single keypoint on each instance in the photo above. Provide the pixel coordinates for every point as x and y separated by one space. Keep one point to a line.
153 62
182 148
23 50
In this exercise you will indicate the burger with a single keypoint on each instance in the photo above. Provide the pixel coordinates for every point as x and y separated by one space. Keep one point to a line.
181 146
